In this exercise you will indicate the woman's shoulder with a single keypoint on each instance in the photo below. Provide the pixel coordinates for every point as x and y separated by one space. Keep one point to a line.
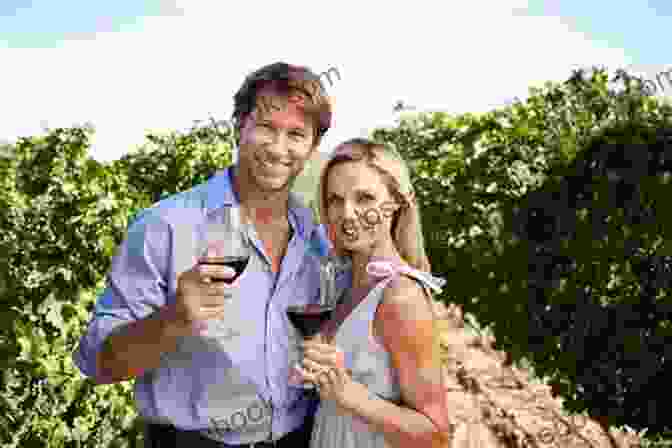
403 290
404 310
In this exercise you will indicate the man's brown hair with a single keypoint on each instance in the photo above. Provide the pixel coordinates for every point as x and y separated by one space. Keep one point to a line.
285 78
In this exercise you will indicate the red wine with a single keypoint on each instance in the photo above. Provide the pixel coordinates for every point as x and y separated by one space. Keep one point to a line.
309 318
238 264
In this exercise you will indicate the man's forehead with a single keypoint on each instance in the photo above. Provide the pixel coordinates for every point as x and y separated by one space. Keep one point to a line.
287 109
307 89
293 95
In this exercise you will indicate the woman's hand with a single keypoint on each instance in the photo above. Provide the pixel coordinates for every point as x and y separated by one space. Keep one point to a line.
324 365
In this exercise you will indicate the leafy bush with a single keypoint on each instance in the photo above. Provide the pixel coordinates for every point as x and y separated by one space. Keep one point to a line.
63 215
174 162
472 171
588 273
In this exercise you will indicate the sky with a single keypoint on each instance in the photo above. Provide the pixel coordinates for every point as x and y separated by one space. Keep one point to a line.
131 66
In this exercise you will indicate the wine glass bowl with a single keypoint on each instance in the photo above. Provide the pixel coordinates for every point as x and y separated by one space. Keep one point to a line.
226 244
308 320
236 262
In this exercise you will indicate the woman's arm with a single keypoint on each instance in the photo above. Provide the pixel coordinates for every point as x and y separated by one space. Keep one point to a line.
406 328
406 325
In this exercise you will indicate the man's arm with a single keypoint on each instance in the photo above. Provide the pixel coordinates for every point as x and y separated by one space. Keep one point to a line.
134 348
131 326
134 323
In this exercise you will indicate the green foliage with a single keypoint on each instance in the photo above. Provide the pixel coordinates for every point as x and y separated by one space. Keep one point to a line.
176 161
590 267
63 215
478 177
471 172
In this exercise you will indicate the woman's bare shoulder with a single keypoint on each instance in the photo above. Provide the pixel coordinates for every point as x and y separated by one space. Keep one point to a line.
404 299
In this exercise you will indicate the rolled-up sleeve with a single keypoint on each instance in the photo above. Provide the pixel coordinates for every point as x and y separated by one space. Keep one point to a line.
136 286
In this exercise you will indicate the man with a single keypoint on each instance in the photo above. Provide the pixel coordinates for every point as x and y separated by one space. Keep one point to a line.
154 322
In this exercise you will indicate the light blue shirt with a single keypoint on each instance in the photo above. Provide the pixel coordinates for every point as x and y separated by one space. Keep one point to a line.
232 386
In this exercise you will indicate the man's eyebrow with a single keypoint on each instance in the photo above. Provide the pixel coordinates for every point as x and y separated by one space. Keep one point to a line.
365 191
307 86
265 103
267 117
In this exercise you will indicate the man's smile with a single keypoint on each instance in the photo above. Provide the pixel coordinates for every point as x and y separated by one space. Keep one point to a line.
272 167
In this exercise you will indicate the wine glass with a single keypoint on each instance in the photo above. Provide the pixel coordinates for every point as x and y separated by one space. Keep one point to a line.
225 243
229 241
308 319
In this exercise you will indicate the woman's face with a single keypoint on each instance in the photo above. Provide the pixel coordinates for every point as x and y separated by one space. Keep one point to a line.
359 206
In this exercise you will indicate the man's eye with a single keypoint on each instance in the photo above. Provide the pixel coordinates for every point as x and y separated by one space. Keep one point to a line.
366 198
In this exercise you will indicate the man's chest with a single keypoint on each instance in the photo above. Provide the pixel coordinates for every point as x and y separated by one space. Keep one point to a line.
275 239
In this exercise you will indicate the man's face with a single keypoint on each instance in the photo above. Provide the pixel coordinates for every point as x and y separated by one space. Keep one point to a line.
276 139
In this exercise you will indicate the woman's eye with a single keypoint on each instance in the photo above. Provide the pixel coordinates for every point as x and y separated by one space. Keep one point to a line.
366 198
297 135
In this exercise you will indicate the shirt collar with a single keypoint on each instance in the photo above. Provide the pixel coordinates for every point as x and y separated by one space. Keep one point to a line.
219 190
220 193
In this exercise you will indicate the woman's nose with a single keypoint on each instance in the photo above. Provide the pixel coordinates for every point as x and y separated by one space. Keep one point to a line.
349 211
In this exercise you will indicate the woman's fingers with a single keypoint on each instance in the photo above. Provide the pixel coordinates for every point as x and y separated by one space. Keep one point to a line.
313 366
324 354
328 359
318 346
306 374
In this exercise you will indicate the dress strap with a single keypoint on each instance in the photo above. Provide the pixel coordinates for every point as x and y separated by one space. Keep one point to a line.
385 268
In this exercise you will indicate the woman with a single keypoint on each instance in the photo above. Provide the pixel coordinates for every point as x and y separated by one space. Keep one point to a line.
379 373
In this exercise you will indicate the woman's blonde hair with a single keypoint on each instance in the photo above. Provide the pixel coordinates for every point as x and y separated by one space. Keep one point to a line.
406 228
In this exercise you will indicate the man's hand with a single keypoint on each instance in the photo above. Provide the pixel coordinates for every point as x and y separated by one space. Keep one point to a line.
201 294
139 345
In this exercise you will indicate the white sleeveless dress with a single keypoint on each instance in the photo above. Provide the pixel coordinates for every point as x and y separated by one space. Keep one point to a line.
370 365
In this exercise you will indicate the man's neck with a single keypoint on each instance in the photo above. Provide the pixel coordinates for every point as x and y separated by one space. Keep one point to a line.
260 206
